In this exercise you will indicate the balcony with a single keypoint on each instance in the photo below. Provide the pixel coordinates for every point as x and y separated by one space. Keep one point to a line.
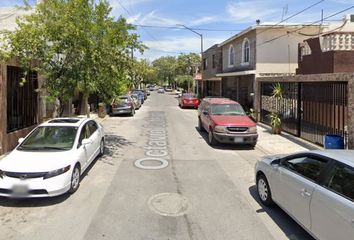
331 53
338 41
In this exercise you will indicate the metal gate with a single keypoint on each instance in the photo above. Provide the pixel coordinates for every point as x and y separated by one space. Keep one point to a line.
308 110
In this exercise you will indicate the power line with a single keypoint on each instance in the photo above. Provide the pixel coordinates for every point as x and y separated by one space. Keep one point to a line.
131 15
293 15
180 28
308 25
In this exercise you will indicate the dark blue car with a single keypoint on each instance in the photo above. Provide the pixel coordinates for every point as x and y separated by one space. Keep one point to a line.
140 95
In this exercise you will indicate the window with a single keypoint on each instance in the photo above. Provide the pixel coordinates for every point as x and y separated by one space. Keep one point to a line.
342 181
231 56
21 99
306 166
246 51
92 127
205 63
85 133
214 63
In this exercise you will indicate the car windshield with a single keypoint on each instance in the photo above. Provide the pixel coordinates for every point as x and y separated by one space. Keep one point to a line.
50 138
227 109
189 95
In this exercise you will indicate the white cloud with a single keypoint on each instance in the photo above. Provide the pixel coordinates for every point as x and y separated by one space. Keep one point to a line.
153 19
173 45
250 11
203 20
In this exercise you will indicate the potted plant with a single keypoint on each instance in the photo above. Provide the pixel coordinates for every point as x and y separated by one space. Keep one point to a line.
101 110
275 122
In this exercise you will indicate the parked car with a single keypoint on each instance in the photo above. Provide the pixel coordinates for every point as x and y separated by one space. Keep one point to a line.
50 160
141 95
136 100
168 89
151 88
226 122
161 90
143 91
188 100
315 188
123 105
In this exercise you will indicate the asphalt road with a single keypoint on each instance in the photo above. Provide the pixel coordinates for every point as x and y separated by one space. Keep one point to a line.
159 179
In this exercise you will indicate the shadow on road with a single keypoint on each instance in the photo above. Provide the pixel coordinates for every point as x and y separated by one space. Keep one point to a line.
114 143
224 146
291 229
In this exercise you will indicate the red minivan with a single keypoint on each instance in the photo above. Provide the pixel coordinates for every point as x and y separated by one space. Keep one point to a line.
226 122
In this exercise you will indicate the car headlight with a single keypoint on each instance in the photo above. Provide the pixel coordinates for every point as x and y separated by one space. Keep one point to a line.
56 172
252 130
220 129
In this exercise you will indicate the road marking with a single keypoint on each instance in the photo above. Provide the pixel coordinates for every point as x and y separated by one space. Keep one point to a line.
138 163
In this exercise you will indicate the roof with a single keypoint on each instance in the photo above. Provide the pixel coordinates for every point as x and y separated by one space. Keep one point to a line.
265 26
217 100
344 156
70 122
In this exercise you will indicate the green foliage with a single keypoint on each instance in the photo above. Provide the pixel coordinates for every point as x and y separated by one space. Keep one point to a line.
277 91
184 81
169 69
75 45
275 120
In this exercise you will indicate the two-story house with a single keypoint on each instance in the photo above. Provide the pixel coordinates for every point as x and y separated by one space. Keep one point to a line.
212 64
259 50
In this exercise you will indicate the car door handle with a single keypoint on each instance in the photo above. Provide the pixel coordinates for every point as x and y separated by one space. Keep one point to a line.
305 193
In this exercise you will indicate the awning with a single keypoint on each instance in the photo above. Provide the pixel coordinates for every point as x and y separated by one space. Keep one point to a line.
230 74
212 79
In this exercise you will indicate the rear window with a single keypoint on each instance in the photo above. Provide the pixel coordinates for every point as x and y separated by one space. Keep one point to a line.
227 109
189 95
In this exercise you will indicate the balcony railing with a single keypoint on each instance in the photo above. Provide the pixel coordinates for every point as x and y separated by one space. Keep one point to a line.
338 41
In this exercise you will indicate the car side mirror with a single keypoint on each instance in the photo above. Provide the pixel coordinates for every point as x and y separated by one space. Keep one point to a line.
86 141
20 140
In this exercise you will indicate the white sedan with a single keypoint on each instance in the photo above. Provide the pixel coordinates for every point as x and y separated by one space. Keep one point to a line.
315 188
51 159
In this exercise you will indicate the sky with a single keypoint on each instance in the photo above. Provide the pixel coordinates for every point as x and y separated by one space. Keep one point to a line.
217 20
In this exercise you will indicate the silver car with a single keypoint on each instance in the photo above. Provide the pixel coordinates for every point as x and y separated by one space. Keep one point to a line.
315 188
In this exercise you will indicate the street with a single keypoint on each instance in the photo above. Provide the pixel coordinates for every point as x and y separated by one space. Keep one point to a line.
182 189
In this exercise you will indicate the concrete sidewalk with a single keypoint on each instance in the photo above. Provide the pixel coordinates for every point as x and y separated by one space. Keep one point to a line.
281 144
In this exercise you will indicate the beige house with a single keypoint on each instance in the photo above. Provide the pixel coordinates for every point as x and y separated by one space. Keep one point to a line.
261 50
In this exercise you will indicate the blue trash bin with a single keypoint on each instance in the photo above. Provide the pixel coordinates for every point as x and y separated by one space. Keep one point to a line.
333 141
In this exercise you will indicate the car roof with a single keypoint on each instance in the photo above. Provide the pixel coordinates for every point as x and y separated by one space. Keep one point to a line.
67 121
219 101
344 156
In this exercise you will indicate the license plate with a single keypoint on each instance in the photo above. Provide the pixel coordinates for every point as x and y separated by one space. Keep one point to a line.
238 140
20 189
120 110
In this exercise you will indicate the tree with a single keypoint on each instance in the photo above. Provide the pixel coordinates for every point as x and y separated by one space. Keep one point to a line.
184 81
76 45
166 69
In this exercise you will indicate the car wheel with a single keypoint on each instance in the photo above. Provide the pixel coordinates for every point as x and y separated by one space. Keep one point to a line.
263 190
102 147
75 179
200 125
211 138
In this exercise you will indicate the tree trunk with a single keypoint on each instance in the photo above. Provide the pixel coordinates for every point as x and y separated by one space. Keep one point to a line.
86 106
